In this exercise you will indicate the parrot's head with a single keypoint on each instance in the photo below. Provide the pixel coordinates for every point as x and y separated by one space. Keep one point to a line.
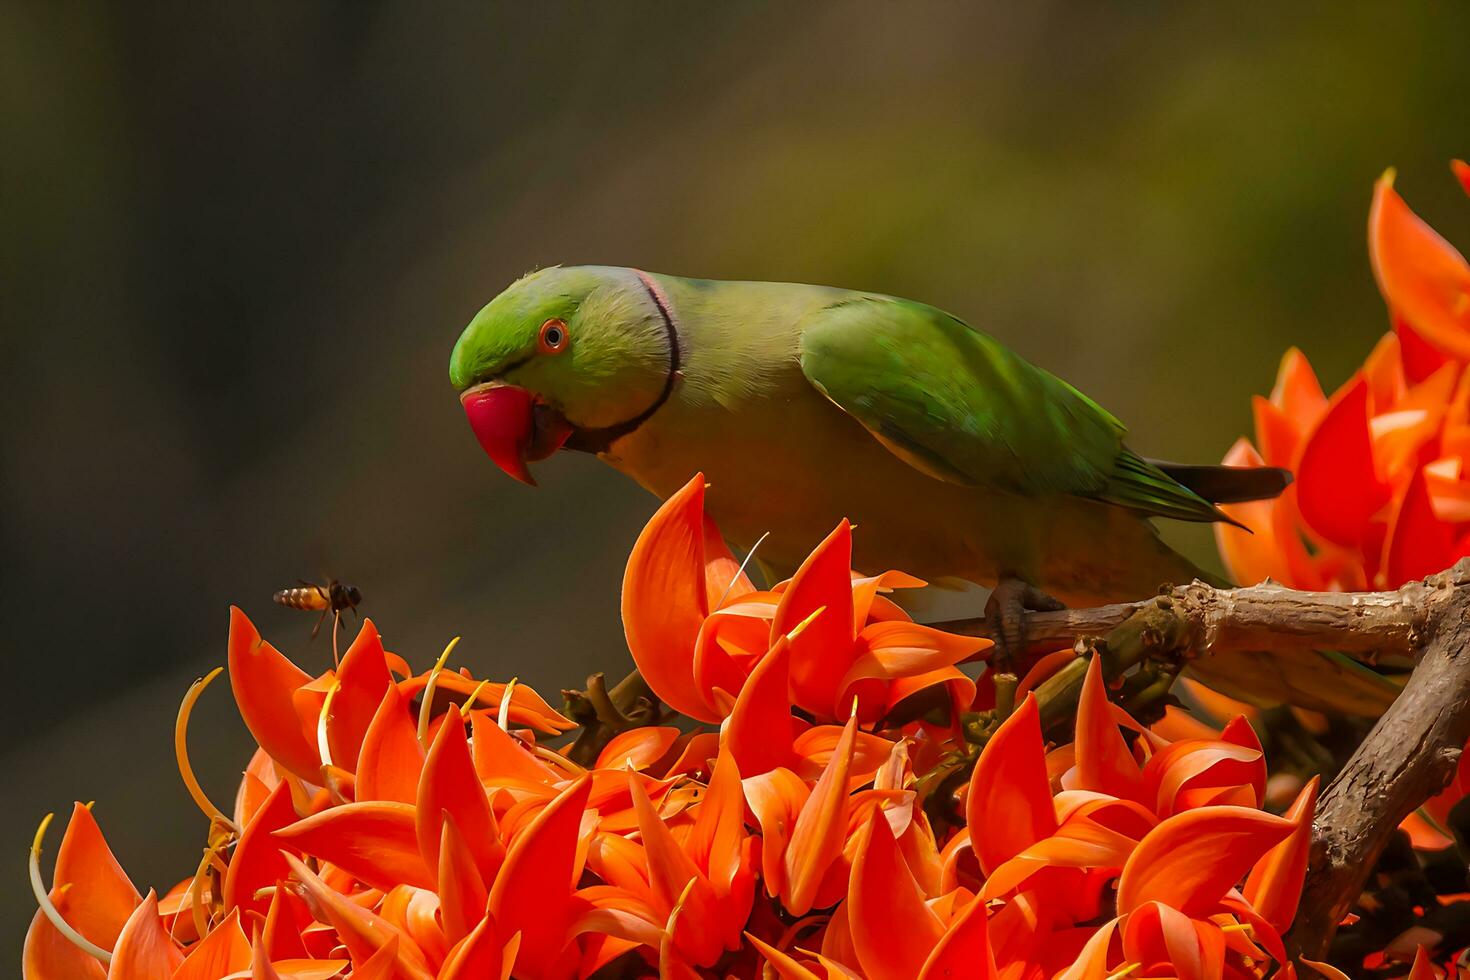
570 357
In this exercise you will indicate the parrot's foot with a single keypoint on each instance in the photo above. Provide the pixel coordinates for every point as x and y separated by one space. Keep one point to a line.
1010 602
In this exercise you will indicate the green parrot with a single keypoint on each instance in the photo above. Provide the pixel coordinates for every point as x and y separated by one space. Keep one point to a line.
955 457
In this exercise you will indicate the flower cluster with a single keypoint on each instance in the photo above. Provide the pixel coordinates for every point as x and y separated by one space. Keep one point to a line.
395 824
1382 492
1382 497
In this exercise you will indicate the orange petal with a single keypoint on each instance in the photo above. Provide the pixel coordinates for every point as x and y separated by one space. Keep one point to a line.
48 955
501 759
965 949
822 652
363 932
375 842
261 967
759 730
257 861
264 682
1275 883
532 895
892 929
1421 276
281 936
144 951
480 956
637 747
665 600
786 967
382 965
462 891
1337 485
1297 392
391 759
723 579
1189 861
224 950
1009 807
898 648
449 784
1104 763
1422 969
776 798
99 897
1419 543
1156 933
715 842
1421 358
819 834
362 680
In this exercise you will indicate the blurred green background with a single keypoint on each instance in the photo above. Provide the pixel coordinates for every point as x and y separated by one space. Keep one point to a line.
238 242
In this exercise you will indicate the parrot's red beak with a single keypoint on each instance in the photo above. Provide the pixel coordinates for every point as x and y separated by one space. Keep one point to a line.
513 428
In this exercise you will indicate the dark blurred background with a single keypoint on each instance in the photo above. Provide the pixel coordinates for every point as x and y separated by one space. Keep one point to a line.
239 241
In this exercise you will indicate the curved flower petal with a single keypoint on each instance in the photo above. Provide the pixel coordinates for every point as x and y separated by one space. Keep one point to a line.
965 949
1275 884
375 842
759 731
1419 543
265 683
1337 484
665 600
1421 275
1009 807
819 834
449 784
893 930
362 679
391 758
1104 763
225 950
257 861
822 652
144 950
532 895
1189 861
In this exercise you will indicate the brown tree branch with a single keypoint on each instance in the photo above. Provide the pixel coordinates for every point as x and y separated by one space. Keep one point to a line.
1368 626
1410 754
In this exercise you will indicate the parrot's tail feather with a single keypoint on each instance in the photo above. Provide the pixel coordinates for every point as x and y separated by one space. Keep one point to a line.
1229 484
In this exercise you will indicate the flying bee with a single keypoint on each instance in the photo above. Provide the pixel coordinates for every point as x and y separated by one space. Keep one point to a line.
334 597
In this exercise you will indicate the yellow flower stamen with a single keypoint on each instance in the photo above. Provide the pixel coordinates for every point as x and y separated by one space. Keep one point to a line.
427 704
559 760
504 715
799 627
469 702
181 752
196 895
1125 971
323 746
51 912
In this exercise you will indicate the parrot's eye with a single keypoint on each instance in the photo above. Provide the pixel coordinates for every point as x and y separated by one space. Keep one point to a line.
553 337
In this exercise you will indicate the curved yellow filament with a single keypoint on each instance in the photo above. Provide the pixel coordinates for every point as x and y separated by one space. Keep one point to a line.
196 895
181 752
78 940
427 704
504 715
323 747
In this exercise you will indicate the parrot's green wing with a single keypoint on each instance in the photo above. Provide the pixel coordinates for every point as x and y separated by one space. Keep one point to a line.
959 406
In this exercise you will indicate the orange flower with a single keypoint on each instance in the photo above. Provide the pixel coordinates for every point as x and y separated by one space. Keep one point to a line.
698 628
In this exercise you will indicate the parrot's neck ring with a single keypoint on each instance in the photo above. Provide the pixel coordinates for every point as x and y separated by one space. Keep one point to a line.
600 440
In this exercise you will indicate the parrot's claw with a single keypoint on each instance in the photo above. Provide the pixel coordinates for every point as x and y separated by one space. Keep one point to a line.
1010 602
